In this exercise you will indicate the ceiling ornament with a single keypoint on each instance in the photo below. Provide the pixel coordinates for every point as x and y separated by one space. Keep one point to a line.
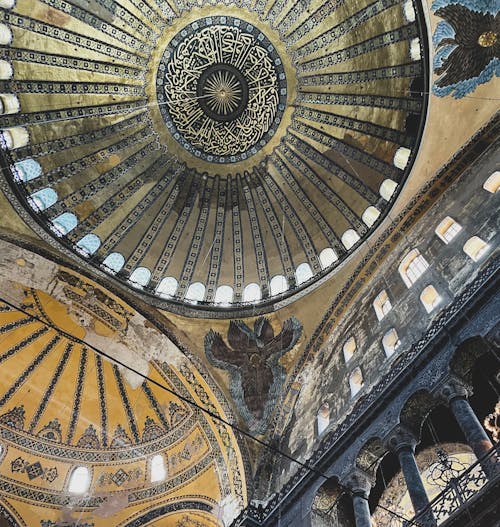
221 89
252 360
216 160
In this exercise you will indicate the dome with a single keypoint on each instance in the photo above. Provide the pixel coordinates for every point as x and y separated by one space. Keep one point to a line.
208 151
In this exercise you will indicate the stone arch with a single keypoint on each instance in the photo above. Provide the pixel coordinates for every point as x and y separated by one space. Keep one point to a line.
467 354
370 455
331 505
416 409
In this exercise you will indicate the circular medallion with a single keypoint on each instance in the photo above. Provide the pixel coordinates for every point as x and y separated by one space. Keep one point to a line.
222 89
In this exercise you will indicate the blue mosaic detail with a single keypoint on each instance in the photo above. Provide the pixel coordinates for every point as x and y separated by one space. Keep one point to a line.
464 58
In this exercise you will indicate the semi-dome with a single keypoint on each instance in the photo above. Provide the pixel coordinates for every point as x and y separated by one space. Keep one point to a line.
216 156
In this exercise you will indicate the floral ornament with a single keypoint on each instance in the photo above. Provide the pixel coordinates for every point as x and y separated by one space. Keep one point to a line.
467 46
252 359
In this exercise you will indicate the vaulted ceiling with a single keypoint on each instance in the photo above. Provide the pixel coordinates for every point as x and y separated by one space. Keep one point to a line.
171 172
215 155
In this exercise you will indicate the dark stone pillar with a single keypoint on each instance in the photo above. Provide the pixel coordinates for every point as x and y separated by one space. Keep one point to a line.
455 394
361 510
402 442
360 484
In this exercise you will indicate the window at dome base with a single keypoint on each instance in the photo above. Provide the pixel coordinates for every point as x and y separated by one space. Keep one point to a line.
224 295
64 223
89 244
278 285
114 262
167 287
140 277
195 292
43 199
27 170
252 293
327 257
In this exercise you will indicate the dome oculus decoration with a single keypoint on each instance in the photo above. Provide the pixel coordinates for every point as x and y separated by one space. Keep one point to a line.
221 88
205 152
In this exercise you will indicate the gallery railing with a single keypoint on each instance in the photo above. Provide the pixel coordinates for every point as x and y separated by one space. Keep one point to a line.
457 493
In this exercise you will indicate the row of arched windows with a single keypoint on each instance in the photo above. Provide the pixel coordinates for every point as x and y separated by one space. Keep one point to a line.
411 267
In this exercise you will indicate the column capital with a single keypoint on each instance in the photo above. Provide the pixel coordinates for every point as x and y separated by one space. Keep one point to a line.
452 387
399 438
359 482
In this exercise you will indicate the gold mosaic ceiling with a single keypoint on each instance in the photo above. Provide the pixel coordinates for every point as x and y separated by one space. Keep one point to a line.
212 156
64 406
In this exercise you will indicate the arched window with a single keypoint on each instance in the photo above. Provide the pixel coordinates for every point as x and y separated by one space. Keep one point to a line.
349 348
64 223
252 293
195 292
387 189
370 215
140 277
448 229
430 298
278 284
16 137
350 238
79 481
401 157
158 471
390 342
412 267
224 295
323 418
167 287
43 199
114 262
6 70
26 170
409 11
492 184
89 244
327 257
303 273
382 304
5 35
475 248
415 52
9 103
356 381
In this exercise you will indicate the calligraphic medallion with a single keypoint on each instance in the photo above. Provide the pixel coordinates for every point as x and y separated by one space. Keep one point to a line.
221 89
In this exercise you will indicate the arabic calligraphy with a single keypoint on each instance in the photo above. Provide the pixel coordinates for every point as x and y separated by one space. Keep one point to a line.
223 88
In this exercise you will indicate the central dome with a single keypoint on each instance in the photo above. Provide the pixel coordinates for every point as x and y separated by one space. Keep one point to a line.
218 160
222 89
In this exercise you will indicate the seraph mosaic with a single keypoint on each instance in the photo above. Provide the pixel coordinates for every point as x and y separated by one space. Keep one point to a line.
467 44
252 360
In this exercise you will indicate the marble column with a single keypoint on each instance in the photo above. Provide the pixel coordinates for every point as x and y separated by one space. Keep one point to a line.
402 442
455 394
360 484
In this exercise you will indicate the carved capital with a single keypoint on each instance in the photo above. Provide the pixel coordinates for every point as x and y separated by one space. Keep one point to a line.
452 387
359 482
400 438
